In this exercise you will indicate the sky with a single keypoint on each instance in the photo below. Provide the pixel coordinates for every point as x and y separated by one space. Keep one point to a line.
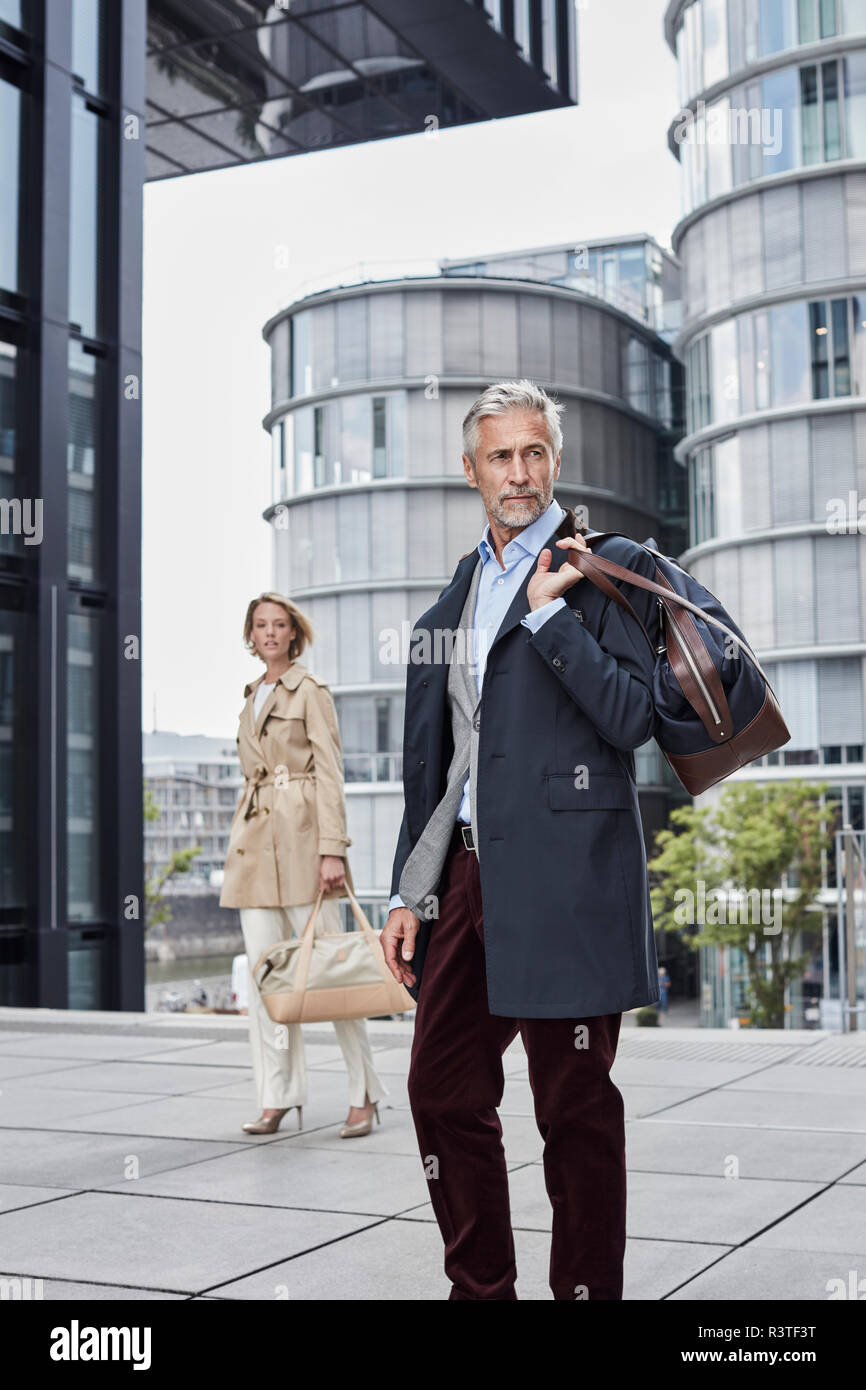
223 251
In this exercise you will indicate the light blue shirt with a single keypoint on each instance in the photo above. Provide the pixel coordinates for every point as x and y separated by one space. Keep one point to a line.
497 587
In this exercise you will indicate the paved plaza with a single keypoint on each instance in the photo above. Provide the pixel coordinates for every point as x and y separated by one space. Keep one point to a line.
124 1173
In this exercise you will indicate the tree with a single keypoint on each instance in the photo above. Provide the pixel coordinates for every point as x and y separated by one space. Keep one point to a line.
156 909
747 870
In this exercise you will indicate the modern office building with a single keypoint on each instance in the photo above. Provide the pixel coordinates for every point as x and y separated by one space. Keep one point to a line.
772 141
194 782
95 96
371 509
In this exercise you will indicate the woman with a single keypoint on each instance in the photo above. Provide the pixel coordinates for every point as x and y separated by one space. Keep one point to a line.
288 839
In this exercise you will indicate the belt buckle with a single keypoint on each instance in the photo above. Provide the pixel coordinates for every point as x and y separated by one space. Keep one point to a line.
466 831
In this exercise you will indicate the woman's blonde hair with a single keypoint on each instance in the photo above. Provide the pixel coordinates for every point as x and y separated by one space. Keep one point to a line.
303 635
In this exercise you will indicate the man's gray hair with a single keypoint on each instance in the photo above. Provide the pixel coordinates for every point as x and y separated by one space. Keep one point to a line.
512 395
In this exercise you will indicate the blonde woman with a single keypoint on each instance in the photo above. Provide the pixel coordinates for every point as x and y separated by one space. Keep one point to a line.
288 839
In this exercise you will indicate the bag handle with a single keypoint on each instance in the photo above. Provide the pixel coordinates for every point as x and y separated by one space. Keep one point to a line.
306 953
597 566
690 661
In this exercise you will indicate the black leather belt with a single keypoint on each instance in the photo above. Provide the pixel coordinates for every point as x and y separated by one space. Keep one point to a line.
466 833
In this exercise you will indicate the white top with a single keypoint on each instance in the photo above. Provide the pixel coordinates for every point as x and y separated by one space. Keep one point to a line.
261 695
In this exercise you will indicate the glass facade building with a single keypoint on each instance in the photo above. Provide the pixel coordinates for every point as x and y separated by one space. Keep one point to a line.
370 508
95 97
772 139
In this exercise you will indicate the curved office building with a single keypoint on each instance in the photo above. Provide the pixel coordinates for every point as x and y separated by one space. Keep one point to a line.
371 509
772 137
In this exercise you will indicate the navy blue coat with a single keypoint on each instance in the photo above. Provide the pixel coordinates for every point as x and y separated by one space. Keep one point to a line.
568 927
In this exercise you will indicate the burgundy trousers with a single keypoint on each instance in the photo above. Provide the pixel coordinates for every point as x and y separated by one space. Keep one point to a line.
456 1082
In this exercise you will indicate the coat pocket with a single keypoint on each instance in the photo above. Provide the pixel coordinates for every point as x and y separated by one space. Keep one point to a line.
600 792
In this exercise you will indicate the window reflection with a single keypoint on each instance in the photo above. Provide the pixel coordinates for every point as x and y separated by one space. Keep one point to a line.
349 440
791 352
85 248
87 44
83 767
83 457
10 165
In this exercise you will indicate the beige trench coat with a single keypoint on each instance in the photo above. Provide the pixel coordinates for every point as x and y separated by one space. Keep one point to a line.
292 806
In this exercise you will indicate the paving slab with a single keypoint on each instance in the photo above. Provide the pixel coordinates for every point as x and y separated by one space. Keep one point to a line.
154 1078
664 1146
858 1175
96 1160
654 1268
102 1046
14 1066
754 1273
517 1097
849 1082
62 1291
700 1075
835 1221
772 1110
159 1242
171 1117
286 1175
23 1103
15 1195
661 1205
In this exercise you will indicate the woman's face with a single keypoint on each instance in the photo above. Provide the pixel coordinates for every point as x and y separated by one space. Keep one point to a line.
272 631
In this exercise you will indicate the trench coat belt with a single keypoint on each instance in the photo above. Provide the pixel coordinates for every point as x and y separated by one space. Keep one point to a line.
261 776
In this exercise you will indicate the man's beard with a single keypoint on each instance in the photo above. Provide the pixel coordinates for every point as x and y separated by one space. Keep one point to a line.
507 513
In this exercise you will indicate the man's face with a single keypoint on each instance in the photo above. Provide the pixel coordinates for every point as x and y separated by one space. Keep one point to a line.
515 467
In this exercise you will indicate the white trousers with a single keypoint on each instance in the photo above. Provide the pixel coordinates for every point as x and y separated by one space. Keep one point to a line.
279 1064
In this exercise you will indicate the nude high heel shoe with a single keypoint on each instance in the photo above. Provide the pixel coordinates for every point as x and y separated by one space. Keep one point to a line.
361 1127
272 1123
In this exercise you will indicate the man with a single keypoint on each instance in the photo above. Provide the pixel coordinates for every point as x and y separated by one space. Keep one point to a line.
519 887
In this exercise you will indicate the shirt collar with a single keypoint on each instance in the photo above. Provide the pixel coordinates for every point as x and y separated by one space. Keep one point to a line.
531 539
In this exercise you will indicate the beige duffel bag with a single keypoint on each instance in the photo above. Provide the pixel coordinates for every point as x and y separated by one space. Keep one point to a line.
317 979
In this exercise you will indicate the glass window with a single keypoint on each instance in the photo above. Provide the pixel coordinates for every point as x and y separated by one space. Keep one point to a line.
87 45
380 438
827 10
715 41
855 105
12 539
10 181
278 462
17 13
762 361
82 784
841 352
352 338
719 148
832 124
726 375
83 458
780 95
854 16
819 338
778 20
746 353
15 778
85 242
859 315
790 367
807 21
810 114
355 439
302 354
727 487
637 373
